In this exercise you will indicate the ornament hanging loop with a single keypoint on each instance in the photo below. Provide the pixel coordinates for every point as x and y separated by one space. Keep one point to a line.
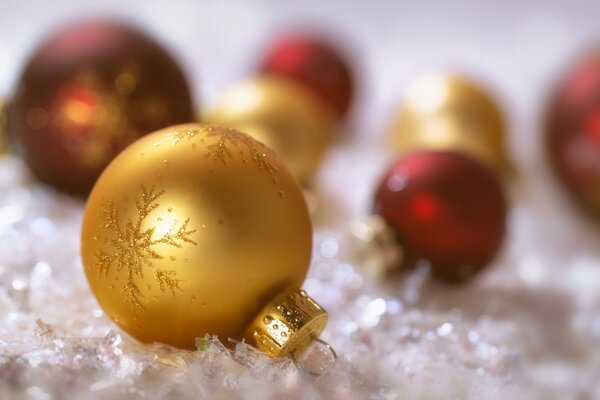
320 369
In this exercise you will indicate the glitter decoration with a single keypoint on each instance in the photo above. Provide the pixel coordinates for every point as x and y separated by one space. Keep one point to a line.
284 116
133 247
178 135
88 91
86 104
258 153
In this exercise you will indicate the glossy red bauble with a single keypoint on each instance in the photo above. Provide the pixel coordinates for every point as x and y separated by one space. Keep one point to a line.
89 91
573 133
314 64
447 209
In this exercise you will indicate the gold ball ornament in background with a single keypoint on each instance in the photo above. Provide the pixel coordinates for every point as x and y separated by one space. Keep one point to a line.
284 116
446 112
198 229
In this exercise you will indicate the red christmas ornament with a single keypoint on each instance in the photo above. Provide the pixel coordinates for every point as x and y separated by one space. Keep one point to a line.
314 64
446 208
573 133
89 91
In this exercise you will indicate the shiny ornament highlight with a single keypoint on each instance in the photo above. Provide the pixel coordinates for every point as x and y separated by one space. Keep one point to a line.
197 229
446 112
572 133
87 92
316 65
282 115
447 209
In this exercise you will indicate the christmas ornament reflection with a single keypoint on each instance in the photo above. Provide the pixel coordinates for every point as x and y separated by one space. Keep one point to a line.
198 229
444 112
282 115
447 209
88 92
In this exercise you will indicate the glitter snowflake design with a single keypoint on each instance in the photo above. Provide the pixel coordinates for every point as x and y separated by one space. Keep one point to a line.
133 248
229 141
177 136
222 151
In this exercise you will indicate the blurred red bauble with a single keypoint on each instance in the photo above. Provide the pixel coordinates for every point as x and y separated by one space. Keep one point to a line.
573 133
2 126
89 91
314 64
447 209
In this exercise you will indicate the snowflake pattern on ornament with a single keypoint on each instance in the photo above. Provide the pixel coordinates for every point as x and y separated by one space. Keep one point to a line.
133 248
229 141
177 136
258 152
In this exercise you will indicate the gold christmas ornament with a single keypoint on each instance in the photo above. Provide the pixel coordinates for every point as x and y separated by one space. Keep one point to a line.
445 112
284 116
198 229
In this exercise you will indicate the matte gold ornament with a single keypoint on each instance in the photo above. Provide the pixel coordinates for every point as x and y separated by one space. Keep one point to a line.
198 229
284 116
444 112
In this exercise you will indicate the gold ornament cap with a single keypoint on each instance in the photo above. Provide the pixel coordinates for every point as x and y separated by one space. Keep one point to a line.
288 324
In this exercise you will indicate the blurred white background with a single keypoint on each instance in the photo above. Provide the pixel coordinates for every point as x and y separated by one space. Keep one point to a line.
516 46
